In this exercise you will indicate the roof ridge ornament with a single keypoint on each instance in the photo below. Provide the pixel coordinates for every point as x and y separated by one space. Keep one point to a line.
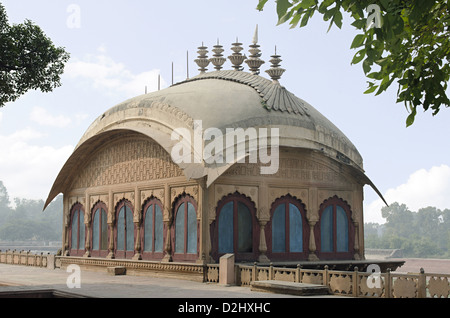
275 70
254 62
218 60
202 60
237 58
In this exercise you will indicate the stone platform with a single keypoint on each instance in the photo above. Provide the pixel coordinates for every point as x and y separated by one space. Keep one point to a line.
289 288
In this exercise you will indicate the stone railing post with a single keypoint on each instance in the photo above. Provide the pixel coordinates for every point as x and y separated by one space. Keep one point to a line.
355 282
254 272
298 273
388 284
422 285
271 272
325 276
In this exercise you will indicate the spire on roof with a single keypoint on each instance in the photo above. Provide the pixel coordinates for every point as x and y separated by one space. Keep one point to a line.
237 58
202 60
254 62
218 60
275 70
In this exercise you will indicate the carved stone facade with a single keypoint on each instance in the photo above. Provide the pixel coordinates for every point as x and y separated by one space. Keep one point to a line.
124 196
136 169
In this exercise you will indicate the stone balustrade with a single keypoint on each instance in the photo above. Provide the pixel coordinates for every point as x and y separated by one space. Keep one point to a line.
354 283
27 258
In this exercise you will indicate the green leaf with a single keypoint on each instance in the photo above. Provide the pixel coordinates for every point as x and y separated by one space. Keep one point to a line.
337 19
305 18
284 18
360 24
371 89
366 66
282 7
295 20
305 4
411 117
261 5
358 41
359 56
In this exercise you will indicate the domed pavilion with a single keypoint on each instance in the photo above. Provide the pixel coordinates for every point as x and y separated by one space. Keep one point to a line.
227 161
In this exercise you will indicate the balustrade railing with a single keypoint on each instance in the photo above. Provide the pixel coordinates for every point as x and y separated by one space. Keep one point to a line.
350 283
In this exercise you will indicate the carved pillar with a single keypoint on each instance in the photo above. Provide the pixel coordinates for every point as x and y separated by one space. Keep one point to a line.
137 224
88 235
263 217
137 243
357 256
202 216
262 243
168 220
66 218
312 242
87 223
111 220
313 216
168 245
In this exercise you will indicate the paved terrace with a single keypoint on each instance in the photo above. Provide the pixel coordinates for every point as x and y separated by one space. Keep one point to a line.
103 285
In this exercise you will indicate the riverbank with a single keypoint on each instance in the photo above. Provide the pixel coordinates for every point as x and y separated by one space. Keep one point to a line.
430 265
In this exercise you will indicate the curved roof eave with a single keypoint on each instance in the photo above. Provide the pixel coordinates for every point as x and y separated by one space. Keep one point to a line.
163 138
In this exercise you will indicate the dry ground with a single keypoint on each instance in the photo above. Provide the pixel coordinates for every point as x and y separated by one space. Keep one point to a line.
440 266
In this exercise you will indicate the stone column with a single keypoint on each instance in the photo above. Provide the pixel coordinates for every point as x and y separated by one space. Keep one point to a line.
262 258
312 242
168 245
110 221
66 218
202 219
313 217
168 219
263 214
356 256
137 223
87 224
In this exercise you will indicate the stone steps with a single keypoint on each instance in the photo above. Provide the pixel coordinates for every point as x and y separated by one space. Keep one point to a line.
289 288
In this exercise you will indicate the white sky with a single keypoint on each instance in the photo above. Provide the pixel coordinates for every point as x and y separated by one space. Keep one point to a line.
121 46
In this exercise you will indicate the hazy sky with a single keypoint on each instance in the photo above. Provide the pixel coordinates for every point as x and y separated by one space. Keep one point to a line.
118 47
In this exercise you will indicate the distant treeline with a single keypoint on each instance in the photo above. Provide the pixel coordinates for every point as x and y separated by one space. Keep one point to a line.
26 221
425 233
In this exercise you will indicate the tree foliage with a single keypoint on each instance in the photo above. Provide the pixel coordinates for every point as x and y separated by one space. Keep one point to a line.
26 221
28 60
425 233
406 41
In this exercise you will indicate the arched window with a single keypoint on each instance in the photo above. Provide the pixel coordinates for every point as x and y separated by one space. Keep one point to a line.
185 233
287 231
124 230
236 230
335 231
152 230
99 231
77 231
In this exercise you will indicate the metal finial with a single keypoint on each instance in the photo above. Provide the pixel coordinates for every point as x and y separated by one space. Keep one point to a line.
187 64
237 58
275 70
255 36
254 62
202 60
218 60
